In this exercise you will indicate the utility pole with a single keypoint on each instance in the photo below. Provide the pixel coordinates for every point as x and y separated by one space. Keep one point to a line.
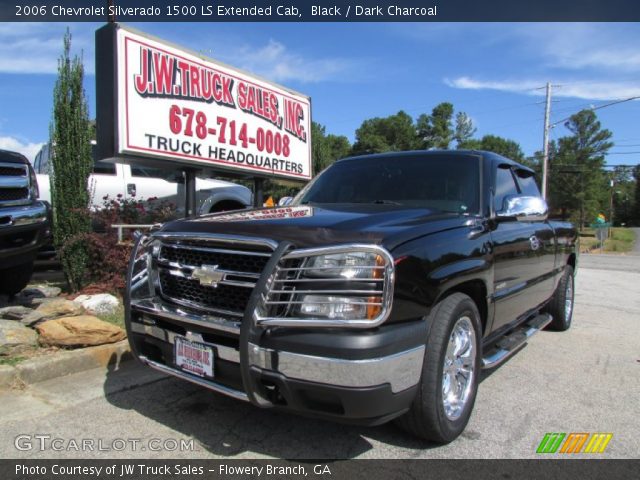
545 146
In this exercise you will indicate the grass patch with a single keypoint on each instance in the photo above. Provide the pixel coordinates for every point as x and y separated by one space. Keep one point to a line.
11 361
621 241
624 235
117 318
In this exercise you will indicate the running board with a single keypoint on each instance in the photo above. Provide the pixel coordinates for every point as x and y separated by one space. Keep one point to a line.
511 343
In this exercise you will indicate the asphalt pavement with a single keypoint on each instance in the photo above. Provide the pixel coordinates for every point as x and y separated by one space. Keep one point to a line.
584 380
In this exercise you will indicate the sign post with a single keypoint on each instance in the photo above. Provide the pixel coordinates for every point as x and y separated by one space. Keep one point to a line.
163 106
601 226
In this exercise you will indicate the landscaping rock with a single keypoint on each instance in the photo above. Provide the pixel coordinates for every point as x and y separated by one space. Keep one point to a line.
16 312
79 331
59 307
31 319
16 338
33 295
41 291
100 303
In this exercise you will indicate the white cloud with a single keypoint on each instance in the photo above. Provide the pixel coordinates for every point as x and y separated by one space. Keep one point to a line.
580 46
588 61
584 90
276 62
28 149
468 83
34 48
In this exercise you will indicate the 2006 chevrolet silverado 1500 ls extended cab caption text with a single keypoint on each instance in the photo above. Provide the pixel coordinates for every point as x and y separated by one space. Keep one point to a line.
379 293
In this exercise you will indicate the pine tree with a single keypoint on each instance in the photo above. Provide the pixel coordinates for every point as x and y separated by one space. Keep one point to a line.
72 163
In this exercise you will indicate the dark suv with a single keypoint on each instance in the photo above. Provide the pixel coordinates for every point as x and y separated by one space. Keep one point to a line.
24 221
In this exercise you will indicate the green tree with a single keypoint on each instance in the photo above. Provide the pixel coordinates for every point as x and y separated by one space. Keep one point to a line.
390 134
622 195
326 148
339 146
493 143
578 186
464 128
435 130
72 163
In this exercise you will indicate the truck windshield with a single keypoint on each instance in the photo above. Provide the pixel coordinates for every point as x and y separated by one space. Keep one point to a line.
447 183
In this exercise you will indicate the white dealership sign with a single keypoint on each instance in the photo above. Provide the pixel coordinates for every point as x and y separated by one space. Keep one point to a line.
175 105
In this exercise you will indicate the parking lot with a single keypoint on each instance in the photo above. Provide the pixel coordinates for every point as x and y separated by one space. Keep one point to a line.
583 380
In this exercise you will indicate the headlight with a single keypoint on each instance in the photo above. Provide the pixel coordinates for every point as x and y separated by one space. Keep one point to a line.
347 265
335 308
349 286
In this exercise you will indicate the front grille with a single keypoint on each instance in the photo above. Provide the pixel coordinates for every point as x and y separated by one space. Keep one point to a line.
13 194
180 263
221 298
226 260
6 171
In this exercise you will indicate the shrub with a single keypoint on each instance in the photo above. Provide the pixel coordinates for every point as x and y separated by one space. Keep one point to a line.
107 260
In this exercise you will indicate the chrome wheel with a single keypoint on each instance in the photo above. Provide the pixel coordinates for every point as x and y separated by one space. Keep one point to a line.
568 299
459 368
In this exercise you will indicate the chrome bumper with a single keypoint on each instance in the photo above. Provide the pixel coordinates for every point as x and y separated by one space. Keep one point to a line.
401 370
15 216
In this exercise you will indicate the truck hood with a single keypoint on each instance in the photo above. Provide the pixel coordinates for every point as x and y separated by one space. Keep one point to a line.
312 226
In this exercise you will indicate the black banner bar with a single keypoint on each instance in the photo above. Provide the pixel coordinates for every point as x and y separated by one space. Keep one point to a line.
321 11
317 469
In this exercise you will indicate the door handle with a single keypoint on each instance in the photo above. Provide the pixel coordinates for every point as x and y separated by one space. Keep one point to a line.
131 188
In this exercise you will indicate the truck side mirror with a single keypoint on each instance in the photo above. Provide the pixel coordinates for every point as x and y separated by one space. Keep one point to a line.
523 209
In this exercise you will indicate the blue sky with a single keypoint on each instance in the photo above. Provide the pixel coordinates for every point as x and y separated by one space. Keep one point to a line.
358 71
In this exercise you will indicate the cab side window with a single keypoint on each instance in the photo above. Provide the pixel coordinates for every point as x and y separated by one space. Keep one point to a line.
505 185
527 182
104 168
148 172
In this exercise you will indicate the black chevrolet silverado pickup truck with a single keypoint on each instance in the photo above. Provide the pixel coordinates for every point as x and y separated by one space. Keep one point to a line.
24 221
379 293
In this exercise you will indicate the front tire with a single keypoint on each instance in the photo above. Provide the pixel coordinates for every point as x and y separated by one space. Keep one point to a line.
560 307
449 383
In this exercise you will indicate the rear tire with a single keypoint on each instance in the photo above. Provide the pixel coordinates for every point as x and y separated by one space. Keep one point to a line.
14 279
449 383
560 307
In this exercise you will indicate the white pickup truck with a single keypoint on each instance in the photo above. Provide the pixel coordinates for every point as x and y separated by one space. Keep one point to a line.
129 181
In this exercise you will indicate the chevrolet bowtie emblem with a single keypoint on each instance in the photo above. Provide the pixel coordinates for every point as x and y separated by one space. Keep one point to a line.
208 275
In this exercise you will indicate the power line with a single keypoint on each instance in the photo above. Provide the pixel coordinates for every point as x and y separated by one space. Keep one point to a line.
598 108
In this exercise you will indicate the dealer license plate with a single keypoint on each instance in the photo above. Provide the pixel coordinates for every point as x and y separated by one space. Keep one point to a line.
193 357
